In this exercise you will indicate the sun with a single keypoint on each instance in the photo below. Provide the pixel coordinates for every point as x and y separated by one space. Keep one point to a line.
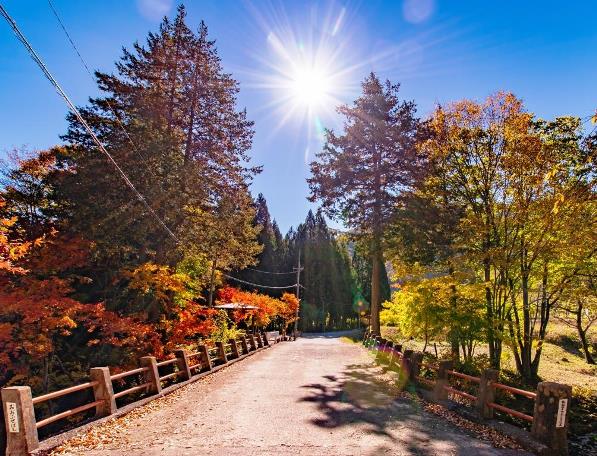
310 87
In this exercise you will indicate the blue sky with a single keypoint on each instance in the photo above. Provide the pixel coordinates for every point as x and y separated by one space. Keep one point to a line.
543 51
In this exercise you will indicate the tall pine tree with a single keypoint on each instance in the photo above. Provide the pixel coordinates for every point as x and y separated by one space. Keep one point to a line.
184 146
359 175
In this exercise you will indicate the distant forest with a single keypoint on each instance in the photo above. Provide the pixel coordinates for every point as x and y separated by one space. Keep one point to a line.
336 276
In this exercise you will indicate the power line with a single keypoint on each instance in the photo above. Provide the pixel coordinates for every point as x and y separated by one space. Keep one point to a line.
80 118
256 284
128 137
95 139
269 272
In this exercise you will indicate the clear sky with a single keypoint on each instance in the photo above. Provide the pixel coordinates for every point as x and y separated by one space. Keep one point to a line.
296 60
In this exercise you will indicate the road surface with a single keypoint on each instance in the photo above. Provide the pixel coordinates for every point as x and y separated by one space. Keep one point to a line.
316 396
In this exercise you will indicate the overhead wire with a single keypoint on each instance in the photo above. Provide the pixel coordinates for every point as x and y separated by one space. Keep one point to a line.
270 272
258 285
116 117
37 59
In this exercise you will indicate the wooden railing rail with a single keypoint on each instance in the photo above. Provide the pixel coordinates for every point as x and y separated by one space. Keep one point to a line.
167 362
134 389
18 403
513 390
169 376
464 394
425 381
66 414
467 377
121 375
551 400
63 392
510 411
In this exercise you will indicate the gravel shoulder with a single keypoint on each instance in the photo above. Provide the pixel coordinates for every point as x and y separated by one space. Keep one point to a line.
316 396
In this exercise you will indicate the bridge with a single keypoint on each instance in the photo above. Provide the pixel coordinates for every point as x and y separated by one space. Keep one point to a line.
321 394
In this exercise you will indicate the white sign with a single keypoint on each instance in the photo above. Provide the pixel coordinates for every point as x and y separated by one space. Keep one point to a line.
13 417
562 409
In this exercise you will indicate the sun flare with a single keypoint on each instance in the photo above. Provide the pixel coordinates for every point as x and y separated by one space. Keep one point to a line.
310 87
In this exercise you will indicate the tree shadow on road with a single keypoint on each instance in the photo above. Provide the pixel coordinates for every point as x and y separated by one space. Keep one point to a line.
370 401
357 395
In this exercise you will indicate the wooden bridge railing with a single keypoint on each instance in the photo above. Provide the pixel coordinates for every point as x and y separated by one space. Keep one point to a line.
551 400
19 404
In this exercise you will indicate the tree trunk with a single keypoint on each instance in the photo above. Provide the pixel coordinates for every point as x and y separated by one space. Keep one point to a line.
211 283
491 339
582 335
525 352
453 335
375 286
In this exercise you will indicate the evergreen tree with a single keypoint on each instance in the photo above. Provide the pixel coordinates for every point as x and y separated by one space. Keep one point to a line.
359 176
361 264
326 300
184 146
273 258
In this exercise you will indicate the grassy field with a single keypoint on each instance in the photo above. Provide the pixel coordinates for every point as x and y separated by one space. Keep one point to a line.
562 359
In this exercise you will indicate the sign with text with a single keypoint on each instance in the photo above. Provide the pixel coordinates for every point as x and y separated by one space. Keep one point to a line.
562 409
13 417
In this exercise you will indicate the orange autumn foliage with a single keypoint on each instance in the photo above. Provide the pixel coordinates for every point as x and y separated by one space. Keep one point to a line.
191 322
38 310
269 308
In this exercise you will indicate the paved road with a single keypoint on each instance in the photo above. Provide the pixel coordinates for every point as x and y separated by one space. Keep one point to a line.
315 396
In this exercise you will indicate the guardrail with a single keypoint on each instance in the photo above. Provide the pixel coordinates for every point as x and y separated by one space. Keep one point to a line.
19 404
549 422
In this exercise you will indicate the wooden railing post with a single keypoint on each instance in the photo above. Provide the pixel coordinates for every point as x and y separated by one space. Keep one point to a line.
380 348
259 340
152 376
550 418
183 363
405 364
395 358
439 392
204 356
486 393
384 353
244 345
234 346
103 391
372 342
252 342
222 352
378 342
19 417
265 341
415 365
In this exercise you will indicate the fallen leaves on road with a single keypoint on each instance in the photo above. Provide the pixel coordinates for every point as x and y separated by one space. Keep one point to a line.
113 431
486 433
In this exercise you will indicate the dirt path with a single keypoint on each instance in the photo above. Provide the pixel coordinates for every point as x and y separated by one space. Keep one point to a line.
315 396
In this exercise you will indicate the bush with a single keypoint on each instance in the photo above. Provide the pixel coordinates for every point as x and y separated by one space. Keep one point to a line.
224 328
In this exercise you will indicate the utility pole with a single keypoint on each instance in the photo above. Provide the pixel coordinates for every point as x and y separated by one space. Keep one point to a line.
298 290
211 283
